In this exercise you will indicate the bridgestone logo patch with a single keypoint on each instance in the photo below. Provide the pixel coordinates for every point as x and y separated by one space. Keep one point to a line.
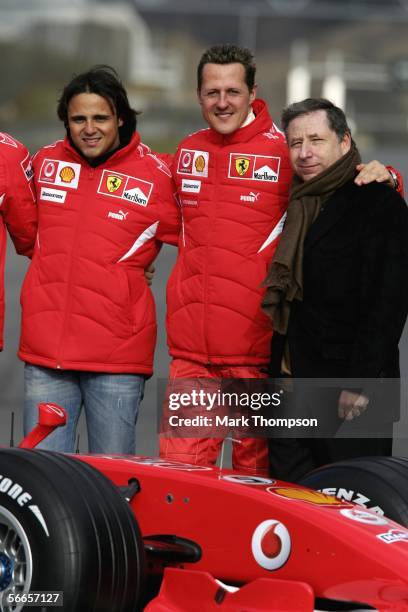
190 186
53 195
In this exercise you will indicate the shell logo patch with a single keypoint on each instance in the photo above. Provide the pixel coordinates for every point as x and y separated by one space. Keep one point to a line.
67 174
125 187
57 172
194 163
113 182
311 497
200 164
254 167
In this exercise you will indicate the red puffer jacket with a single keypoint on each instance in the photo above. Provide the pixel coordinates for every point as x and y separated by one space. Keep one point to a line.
233 191
86 304
18 211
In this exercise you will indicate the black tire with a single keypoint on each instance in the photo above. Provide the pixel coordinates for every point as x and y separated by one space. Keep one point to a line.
74 531
377 483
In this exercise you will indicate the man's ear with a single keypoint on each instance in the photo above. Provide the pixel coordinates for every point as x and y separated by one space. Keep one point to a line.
252 94
199 96
120 122
346 143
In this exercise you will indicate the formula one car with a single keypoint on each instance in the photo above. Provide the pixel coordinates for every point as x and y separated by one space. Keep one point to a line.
122 533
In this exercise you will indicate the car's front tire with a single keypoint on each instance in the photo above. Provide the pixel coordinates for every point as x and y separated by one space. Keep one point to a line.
377 483
65 527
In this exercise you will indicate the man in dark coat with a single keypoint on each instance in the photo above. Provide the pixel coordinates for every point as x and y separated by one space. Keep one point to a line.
337 288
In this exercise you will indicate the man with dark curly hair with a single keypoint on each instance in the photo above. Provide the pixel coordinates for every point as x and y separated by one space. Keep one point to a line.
88 322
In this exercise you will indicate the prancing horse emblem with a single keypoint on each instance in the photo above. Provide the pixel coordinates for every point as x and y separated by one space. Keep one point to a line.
113 183
241 165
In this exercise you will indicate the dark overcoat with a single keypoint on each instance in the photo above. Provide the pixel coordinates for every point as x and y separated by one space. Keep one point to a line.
348 325
355 278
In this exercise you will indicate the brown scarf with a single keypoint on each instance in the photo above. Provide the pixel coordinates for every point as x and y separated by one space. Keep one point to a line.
284 281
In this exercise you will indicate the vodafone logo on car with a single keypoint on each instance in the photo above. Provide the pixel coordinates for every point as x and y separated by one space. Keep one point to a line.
271 544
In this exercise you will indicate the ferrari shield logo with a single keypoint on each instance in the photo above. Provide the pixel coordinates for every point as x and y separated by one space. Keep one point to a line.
241 165
113 183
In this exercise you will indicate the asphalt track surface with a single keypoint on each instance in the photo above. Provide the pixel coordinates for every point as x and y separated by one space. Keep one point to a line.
11 369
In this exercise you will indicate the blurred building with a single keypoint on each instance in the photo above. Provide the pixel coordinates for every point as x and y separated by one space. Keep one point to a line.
352 51
355 48
44 42
86 31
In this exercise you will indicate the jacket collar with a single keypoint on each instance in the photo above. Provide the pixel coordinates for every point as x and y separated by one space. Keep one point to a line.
131 147
262 123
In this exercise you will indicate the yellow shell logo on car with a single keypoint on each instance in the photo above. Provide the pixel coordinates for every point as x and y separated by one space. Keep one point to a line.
113 183
200 163
313 497
67 174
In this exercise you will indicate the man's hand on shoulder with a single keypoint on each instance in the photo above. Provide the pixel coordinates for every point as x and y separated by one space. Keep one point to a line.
351 405
149 274
374 171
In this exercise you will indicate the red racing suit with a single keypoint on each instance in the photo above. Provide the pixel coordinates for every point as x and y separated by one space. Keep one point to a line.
233 191
18 211
249 455
86 304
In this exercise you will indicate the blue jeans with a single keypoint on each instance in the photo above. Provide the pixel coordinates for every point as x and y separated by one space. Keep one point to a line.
111 403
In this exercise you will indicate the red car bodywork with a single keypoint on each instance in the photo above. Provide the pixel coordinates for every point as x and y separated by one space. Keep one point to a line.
265 544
